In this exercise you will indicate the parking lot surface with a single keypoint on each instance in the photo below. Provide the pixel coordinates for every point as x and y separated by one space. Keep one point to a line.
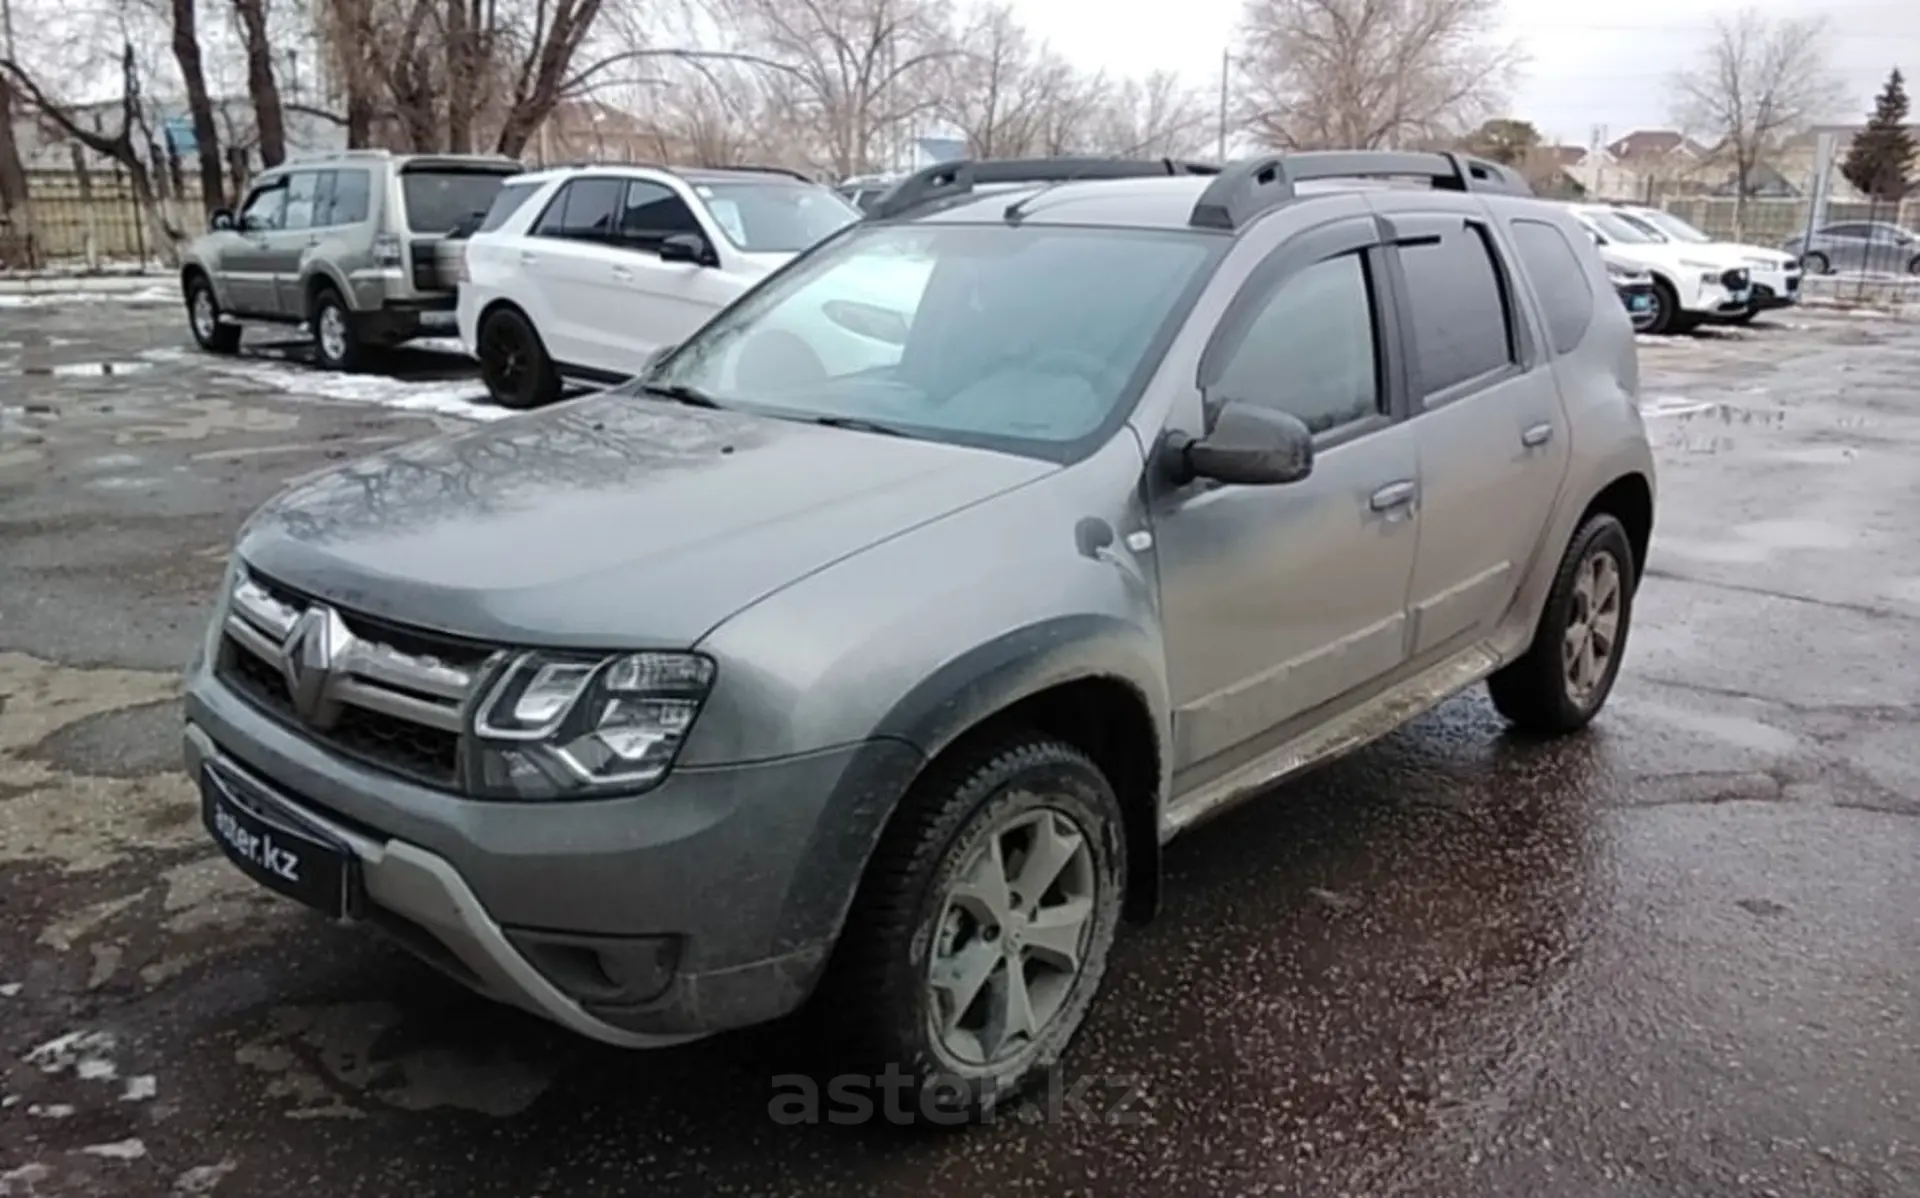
1676 955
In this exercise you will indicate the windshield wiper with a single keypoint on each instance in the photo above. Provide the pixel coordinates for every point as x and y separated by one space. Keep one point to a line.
856 424
693 397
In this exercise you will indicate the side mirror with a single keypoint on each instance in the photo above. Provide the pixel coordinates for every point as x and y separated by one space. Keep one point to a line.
222 220
1249 447
686 247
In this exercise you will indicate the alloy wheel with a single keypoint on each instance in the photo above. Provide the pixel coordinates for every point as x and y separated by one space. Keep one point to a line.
1011 937
333 333
205 319
1593 626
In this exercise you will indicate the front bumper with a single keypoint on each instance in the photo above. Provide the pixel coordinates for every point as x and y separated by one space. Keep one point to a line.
1781 290
739 876
1716 299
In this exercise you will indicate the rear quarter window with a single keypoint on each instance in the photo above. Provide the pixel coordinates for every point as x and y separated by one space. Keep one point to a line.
1558 278
512 197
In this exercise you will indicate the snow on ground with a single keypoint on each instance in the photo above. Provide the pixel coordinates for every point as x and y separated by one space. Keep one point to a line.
158 293
459 397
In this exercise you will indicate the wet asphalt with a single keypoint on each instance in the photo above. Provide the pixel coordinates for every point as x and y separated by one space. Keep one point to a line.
1678 954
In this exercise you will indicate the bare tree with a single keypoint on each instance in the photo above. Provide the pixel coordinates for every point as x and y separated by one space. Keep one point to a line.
1370 74
206 132
16 231
1756 80
1155 117
263 88
859 70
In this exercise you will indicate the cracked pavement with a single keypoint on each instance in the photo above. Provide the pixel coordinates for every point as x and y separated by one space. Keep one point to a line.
1678 954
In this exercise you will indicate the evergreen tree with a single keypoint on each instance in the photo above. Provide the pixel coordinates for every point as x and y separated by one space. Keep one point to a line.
1881 158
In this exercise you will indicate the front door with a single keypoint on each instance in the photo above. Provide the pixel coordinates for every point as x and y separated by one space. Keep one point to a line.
668 300
246 259
288 247
1493 435
1280 600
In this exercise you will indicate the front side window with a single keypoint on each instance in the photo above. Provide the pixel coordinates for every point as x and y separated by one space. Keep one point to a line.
303 195
1675 228
266 208
652 213
1031 339
588 209
1461 330
1310 350
776 217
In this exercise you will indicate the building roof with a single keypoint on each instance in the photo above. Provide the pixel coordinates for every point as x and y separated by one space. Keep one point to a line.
1654 143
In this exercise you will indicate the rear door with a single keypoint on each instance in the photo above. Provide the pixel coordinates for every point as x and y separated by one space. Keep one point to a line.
1491 429
568 271
298 232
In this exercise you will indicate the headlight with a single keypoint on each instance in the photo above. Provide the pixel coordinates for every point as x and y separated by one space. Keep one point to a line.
558 725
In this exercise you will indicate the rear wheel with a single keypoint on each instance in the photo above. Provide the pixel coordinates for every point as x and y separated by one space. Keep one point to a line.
514 363
1815 263
1567 673
203 317
337 343
1666 309
1913 267
981 931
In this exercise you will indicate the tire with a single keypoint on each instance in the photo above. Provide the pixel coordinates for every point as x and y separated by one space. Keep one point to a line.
337 343
1666 310
906 922
1913 267
1815 263
203 318
1536 692
514 362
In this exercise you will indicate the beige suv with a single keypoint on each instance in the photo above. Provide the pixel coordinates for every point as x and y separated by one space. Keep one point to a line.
361 246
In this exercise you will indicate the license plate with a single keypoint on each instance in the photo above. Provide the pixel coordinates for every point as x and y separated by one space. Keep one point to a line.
438 320
272 849
1640 303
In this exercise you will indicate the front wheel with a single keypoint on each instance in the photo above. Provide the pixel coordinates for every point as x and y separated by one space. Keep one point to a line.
982 928
1564 678
1666 310
1815 263
203 317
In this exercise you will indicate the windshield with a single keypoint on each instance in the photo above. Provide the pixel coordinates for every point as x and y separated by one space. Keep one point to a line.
1031 339
439 200
1613 228
1670 225
775 217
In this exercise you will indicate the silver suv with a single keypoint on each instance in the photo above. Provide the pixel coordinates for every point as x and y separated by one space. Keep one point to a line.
362 246
881 677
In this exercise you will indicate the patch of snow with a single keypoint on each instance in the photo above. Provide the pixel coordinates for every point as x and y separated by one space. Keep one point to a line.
97 1069
1675 405
156 294
462 398
201 1179
64 1052
9 989
439 345
52 1110
140 1088
118 1150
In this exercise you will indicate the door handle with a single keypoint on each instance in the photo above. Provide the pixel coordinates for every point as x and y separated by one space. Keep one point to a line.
1537 435
622 273
1392 495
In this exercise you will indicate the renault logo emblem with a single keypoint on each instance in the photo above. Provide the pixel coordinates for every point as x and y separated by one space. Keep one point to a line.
318 640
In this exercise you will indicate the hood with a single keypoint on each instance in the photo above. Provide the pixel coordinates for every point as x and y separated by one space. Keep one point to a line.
1670 256
612 522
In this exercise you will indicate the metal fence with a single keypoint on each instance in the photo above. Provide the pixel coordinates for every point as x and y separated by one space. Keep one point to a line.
85 220
1770 222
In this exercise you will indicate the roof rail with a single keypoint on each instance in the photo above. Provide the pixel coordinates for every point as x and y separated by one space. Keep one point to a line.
946 180
330 155
756 169
1249 187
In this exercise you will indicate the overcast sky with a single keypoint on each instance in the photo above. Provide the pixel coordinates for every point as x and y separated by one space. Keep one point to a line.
1602 65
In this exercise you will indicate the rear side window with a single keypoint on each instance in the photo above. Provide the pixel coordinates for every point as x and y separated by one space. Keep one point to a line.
510 200
585 208
1460 327
1558 279
440 200
350 191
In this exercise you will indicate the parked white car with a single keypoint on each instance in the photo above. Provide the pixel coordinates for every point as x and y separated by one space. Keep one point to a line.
587 272
1776 275
1692 284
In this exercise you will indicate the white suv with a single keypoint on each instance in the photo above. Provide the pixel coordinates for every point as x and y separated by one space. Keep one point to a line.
1692 284
1776 275
587 272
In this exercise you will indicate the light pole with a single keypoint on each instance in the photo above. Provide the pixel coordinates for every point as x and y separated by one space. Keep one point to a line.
1226 64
